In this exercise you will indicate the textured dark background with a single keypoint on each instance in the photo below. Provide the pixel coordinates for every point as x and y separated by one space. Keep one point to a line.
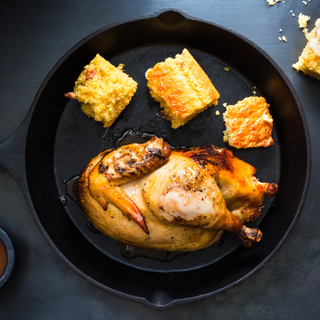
34 35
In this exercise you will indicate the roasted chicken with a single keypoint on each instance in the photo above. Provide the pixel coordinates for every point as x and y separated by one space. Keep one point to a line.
150 196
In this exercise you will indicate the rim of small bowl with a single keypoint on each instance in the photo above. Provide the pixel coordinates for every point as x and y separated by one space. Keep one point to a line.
11 257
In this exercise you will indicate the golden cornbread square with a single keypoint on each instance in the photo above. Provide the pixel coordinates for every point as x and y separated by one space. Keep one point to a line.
309 60
103 90
182 88
248 124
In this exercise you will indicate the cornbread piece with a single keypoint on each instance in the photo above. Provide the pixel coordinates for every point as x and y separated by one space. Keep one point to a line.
182 88
103 90
309 60
248 124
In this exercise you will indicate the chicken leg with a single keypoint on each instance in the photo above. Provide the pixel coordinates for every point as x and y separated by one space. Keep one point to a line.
208 187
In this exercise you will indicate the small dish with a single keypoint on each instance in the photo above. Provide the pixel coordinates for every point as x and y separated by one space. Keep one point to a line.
6 257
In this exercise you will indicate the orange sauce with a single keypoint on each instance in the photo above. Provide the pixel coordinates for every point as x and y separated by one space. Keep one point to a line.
3 258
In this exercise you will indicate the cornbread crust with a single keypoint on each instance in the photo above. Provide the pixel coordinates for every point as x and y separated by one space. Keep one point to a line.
103 90
182 88
248 124
309 61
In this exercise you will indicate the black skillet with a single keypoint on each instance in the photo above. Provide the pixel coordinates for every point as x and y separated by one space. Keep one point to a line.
56 140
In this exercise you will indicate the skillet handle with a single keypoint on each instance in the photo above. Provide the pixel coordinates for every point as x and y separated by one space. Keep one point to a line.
12 154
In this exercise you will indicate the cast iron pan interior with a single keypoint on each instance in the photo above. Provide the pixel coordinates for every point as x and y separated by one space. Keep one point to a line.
72 139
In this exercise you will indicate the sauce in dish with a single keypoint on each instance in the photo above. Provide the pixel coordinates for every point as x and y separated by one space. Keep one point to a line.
3 258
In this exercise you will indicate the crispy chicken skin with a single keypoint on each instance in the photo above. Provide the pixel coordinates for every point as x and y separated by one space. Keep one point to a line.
184 198
123 165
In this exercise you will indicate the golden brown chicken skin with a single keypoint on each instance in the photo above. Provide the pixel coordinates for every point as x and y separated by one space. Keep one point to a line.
122 165
186 197
208 187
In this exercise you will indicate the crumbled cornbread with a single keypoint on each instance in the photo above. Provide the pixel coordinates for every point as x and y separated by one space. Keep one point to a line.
248 124
182 88
309 60
103 90
303 20
283 38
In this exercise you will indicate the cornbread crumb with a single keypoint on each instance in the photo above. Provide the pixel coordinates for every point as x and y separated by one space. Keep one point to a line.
248 124
217 113
182 88
270 2
103 90
226 69
283 38
225 104
309 60
303 20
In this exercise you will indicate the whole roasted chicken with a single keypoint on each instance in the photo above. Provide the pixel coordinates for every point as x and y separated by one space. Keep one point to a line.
147 195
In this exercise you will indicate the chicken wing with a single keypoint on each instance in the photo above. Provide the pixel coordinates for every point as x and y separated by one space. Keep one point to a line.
122 165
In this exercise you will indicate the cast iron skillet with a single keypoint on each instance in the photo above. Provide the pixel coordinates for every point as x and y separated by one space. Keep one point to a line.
56 140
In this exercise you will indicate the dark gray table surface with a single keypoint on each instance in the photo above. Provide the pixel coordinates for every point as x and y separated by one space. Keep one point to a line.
34 35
